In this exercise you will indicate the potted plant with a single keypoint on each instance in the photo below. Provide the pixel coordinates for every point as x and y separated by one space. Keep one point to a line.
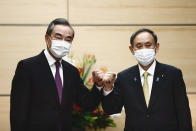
96 119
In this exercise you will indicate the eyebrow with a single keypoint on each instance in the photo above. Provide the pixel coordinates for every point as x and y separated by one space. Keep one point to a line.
138 43
148 42
58 34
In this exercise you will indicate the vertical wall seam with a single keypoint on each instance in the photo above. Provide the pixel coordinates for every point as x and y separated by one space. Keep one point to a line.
68 10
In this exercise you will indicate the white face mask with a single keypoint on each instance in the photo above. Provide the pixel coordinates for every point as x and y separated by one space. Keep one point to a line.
145 56
60 48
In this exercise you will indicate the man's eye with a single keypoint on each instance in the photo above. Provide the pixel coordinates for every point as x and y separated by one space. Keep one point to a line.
58 38
139 46
68 40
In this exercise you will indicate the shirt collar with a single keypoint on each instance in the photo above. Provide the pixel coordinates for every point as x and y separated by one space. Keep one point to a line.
150 70
50 59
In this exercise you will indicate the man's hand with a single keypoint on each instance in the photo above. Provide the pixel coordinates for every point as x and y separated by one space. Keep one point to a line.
108 80
98 77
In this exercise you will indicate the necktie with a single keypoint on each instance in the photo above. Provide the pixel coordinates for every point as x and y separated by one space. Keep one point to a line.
146 88
58 81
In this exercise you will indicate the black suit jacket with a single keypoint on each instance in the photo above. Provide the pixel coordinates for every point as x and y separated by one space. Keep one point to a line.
35 103
168 107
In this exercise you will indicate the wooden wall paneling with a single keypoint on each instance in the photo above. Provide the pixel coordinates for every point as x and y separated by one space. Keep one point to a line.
110 45
132 12
177 47
4 113
17 43
192 100
31 12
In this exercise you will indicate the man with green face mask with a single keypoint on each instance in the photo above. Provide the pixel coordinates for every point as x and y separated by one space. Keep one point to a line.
153 94
44 87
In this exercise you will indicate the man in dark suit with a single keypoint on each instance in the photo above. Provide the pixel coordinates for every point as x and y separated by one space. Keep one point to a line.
153 94
44 87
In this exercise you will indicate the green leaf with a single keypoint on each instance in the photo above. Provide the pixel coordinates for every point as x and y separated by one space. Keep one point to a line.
87 72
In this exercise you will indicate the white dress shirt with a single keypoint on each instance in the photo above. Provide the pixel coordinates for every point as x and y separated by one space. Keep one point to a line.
51 62
150 77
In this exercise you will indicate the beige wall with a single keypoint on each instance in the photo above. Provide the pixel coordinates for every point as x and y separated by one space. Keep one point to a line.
103 28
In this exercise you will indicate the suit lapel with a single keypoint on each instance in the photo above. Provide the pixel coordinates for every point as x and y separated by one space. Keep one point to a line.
136 84
159 76
66 81
47 73
158 79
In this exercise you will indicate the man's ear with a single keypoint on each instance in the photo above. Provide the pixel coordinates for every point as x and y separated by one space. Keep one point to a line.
131 49
47 40
157 48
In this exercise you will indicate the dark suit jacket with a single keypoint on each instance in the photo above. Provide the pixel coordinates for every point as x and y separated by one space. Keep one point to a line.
168 108
34 98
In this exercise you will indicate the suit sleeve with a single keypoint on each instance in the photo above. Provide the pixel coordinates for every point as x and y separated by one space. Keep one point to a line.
112 103
87 99
182 104
19 100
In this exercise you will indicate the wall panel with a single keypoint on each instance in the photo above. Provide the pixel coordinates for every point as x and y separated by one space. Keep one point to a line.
132 12
192 99
4 113
109 44
17 43
31 12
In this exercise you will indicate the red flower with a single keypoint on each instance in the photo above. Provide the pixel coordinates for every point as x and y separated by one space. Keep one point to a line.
77 108
80 70
95 111
98 112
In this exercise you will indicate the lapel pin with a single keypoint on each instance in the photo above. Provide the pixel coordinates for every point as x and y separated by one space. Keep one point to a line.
157 80
135 79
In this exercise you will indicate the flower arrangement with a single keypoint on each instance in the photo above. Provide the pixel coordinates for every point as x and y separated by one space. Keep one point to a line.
96 119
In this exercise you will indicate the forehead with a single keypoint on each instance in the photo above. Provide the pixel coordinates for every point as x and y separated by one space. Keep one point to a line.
62 29
143 37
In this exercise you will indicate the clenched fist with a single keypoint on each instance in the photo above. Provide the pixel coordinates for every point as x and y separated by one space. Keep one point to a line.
108 80
98 77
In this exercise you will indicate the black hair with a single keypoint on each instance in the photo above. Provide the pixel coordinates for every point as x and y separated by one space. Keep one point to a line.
58 21
140 31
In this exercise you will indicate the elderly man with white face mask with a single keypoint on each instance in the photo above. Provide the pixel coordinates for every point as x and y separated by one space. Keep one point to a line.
153 94
45 86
